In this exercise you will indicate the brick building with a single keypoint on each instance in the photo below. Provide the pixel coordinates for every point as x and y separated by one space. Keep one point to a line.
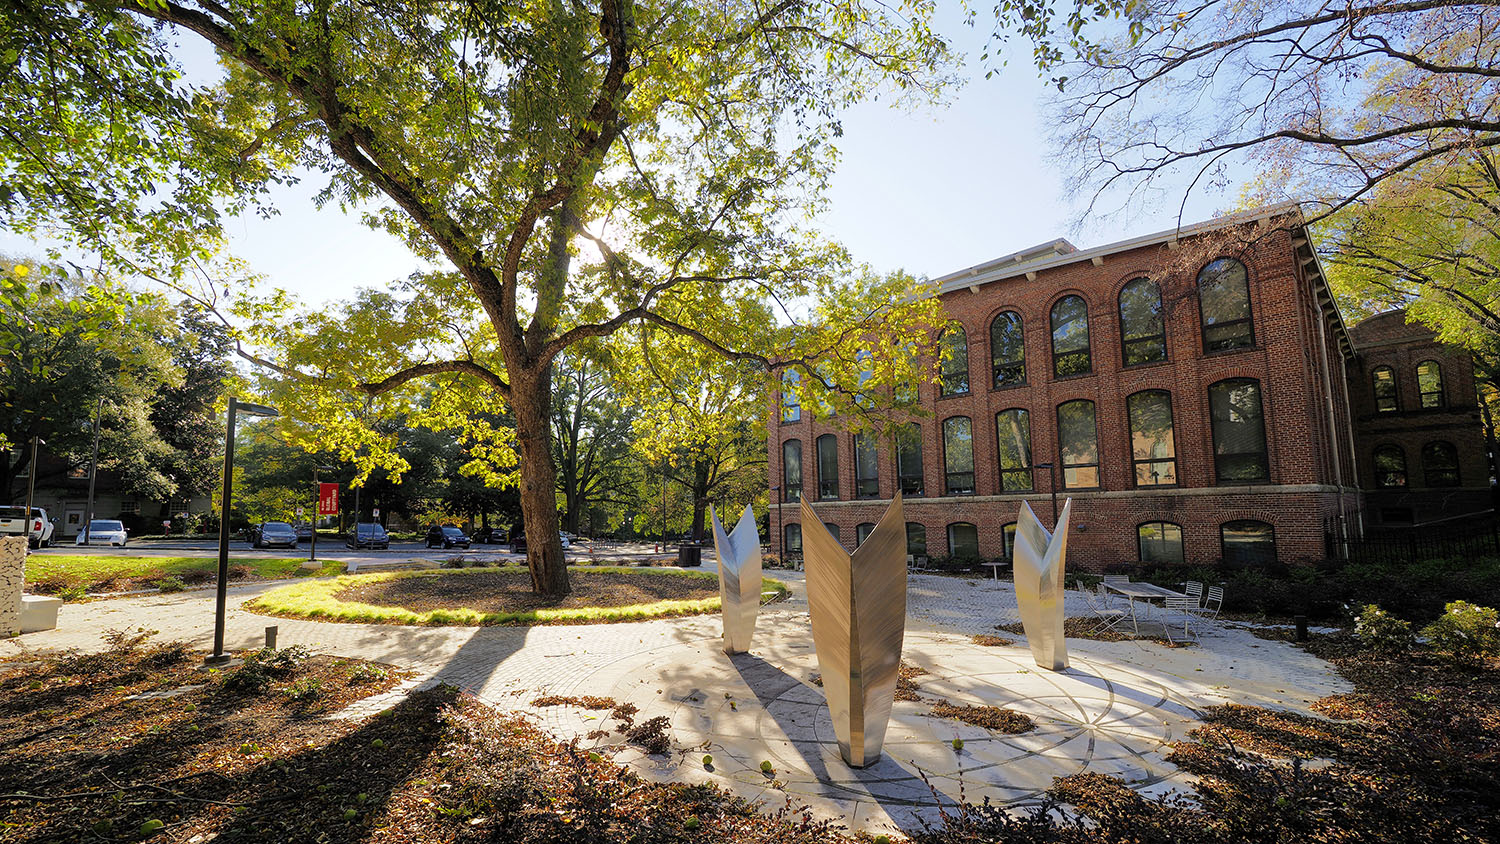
1191 389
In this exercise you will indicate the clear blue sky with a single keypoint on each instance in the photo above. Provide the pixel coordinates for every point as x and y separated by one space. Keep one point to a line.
931 192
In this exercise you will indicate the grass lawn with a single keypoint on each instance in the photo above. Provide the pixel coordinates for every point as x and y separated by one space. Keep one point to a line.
474 597
68 574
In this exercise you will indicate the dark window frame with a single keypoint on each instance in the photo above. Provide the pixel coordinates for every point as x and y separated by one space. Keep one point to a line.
1062 462
790 491
1157 341
786 538
1135 462
790 411
1024 471
1394 398
948 474
1011 372
947 377
1245 340
1422 394
1086 353
1008 540
951 525
865 487
828 490
1140 541
1428 470
903 476
1275 551
920 528
862 532
1221 459
1404 472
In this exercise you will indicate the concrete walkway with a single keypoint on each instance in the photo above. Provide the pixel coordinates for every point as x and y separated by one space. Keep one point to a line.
1114 711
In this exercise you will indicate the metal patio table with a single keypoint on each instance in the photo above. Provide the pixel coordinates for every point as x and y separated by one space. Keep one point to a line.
1147 592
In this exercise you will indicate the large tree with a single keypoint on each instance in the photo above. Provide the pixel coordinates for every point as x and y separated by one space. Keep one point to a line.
678 145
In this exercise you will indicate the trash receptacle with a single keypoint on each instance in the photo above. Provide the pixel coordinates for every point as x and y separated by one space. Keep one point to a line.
689 554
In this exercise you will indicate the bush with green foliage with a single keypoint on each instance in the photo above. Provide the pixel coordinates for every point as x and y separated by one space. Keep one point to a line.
1382 632
265 666
171 583
1466 632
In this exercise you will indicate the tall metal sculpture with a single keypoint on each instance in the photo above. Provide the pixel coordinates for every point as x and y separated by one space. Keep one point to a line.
858 608
739 579
1039 561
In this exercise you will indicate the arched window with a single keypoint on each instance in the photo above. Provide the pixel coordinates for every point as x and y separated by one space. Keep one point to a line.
1008 537
909 458
1390 467
1224 304
793 544
1078 444
916 539
1239 431
1159 542
1013 451
1070 337
791 470
791 404
861 531
833 531
958 456
1143 334
1007 350
828 466
866 467
1440 463
1247 543
1383 382
1430 384
1152 447
954 363
963 541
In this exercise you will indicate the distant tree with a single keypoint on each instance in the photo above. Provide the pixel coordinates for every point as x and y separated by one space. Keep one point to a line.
591 434
186 416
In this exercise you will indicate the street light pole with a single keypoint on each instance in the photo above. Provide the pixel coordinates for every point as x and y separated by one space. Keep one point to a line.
88 517
31 494
221 597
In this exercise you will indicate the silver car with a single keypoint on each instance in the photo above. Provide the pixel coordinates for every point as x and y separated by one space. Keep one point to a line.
103 532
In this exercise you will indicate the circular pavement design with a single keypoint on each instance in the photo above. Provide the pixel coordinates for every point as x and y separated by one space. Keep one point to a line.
1098 716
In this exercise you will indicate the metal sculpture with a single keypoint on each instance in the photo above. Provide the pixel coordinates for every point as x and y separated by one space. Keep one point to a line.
739 579
858 608
1039 560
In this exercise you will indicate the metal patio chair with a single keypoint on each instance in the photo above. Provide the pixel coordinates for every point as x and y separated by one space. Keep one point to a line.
1209 607
1194 590
1105 618
1182 604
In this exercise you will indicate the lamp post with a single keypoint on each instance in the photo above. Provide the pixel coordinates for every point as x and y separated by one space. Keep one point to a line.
31 494
1052 484
312 555
88 516
221 598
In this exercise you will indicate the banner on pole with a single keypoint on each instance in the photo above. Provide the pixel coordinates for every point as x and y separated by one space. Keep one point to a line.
328 499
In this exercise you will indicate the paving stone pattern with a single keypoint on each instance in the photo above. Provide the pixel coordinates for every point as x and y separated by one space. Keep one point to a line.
1114 711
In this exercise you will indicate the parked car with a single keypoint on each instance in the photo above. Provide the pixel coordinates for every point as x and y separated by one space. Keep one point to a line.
304 530
370 535
518 543
491 536
447 536
273 533
103 532
38 529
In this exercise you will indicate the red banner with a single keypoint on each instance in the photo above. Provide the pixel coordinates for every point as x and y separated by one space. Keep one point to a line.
328 499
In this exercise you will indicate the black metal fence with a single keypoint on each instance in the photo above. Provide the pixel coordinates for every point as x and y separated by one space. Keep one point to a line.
1480 537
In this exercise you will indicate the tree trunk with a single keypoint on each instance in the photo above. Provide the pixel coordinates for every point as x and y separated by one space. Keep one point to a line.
700 498
530 400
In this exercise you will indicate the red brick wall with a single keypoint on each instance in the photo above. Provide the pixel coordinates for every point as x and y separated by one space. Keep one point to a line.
1305 456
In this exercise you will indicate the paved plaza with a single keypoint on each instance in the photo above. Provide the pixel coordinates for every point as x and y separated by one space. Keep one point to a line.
1115 711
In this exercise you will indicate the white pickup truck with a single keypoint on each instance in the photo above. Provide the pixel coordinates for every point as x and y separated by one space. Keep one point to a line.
38 528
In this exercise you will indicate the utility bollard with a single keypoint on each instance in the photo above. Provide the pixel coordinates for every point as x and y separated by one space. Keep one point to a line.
1301 627
271 638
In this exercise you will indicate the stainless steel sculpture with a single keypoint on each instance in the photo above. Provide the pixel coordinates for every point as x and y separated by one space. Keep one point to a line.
739 579
858 608
1039 560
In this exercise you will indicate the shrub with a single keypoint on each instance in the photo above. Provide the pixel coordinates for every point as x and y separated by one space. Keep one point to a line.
171 583
1382 632
72 594
1466 632
306 689
264 666
367 672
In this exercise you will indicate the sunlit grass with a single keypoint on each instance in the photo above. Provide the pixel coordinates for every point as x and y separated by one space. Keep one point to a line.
65 571
315 600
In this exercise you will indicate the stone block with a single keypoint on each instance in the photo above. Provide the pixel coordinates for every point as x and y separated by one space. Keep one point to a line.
39 612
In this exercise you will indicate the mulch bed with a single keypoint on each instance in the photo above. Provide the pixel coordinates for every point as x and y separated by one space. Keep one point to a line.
509 590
